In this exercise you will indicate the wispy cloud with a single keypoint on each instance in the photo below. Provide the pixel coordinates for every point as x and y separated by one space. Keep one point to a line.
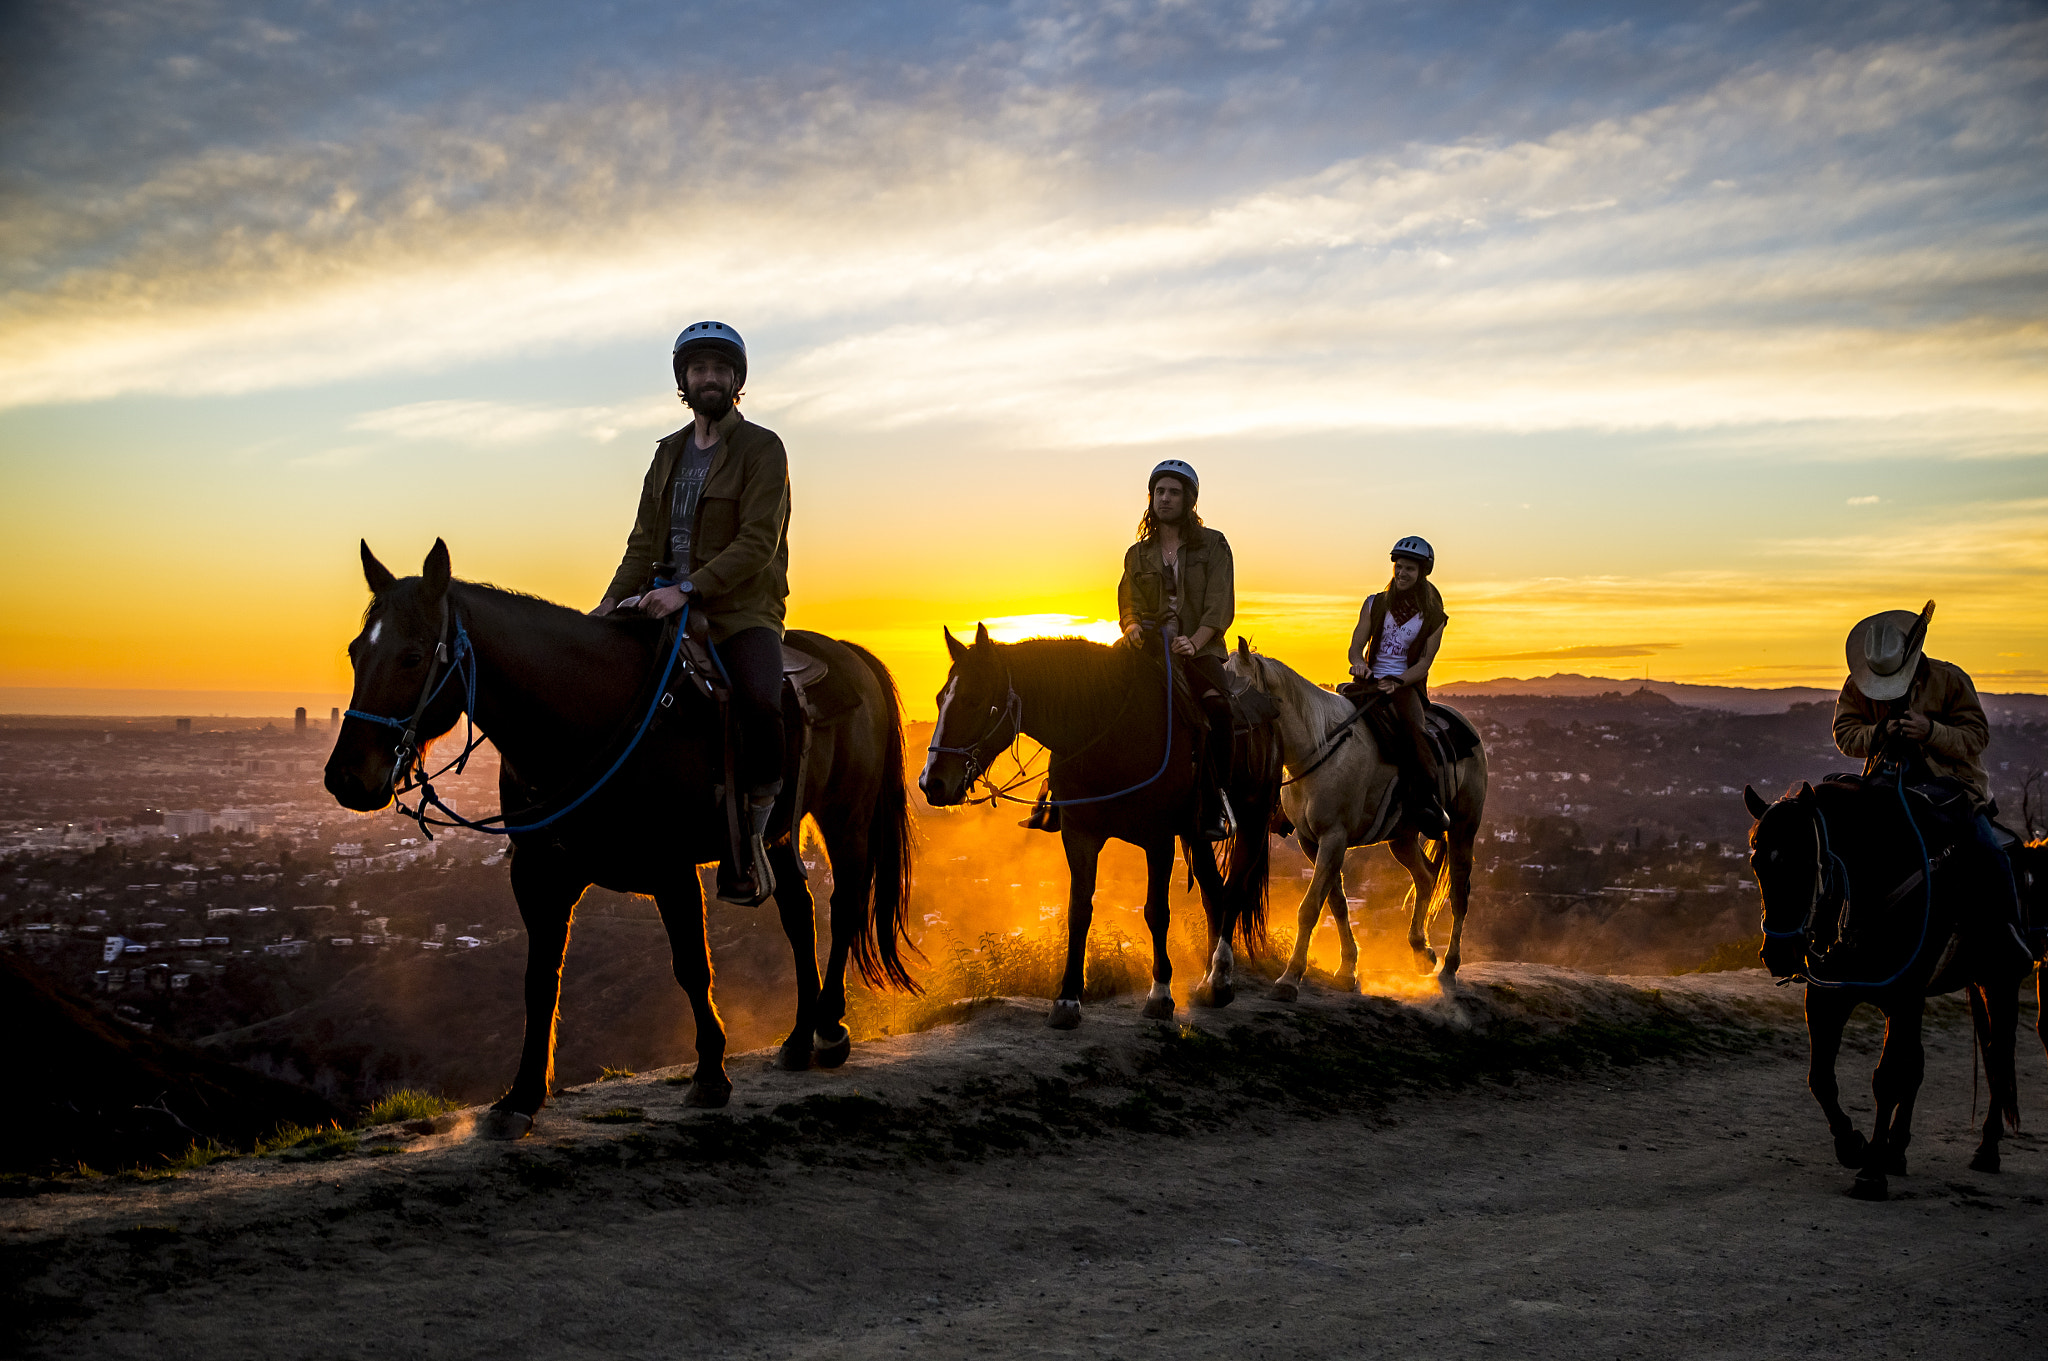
1585 653
945 252
495 423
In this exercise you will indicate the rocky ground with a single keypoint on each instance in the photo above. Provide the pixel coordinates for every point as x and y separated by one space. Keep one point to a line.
1546 1163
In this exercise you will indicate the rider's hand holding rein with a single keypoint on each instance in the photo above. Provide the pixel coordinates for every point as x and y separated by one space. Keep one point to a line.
1914 727
664 601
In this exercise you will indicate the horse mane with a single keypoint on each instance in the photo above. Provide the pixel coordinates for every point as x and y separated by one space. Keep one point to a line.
1301 682
1077 680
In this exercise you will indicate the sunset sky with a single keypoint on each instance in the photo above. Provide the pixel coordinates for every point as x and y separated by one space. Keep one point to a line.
1688 334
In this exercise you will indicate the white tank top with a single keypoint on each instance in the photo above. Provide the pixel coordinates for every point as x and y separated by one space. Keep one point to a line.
1395 641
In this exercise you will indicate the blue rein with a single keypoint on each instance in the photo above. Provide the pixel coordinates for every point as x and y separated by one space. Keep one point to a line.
463 659
1832 867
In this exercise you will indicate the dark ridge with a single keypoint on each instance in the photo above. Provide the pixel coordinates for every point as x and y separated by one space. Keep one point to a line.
88 1089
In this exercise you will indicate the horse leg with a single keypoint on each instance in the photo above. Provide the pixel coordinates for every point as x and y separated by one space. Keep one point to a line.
1158 915
1826 1014
1457 849
547 893
1995 1015
1329 870
1347 944
853 873
1407 848
1082 853
1894 1085
1216 988
682 913
799 917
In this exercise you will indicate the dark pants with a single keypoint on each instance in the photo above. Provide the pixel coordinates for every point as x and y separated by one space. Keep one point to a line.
1991 875
753 664
1401 724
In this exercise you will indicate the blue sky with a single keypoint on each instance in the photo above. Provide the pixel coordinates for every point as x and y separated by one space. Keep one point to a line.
1688 333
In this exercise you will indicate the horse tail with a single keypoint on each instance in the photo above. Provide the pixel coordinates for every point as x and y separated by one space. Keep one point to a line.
878 949
1439 865
1249 864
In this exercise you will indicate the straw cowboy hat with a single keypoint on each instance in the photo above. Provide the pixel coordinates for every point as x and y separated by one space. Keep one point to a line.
1884 652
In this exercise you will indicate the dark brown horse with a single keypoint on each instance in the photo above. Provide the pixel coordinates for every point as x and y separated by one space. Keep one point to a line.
1118 772
1856 907
560 694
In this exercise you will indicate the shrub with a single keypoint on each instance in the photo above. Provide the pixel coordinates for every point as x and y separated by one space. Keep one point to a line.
410 1104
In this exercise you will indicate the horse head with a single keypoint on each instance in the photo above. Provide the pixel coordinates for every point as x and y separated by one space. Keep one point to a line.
394 658
1785 855
979 718
1247 665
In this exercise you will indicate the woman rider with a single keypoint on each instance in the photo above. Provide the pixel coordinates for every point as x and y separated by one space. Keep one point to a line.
1398 634
1178 582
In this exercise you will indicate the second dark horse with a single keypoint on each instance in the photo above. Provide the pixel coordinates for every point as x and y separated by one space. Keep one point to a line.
559 693
1102 713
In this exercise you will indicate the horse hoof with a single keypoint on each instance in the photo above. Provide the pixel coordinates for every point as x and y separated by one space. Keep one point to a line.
1284 991
833 1054
1213 997
1346 983
1985 1161
1065 1015
1852 1150
708 1094
1869 1188
1157 1009
1425 960
794 1056
502 1124
1895 1165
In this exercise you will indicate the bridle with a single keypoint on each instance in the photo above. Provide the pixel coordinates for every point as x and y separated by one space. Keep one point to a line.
460 660
1010 713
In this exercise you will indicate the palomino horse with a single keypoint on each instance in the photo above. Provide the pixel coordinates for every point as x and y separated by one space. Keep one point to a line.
1102 712
1855 907
1341 795
558 693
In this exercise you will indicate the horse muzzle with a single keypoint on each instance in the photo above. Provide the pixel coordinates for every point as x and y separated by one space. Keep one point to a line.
352 792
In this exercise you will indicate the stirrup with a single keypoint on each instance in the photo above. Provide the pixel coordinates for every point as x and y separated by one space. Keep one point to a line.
1226 821
756 883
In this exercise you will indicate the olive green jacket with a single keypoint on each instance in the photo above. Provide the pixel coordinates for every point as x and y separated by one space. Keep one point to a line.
1954 747
1208 587
739 548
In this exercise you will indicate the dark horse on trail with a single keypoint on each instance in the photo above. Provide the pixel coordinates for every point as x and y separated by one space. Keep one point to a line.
560 694
1859 906
1102 714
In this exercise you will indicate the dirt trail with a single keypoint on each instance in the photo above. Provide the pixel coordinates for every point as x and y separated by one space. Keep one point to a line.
1125 1190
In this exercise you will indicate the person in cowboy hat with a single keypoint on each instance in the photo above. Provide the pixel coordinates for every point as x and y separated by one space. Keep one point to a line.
1398 634
712 531
1904 709
1179 582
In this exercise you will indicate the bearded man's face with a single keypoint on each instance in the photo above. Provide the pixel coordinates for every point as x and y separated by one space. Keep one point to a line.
708 382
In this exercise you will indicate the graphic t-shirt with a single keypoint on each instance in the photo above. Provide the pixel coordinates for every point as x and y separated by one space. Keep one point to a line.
686 490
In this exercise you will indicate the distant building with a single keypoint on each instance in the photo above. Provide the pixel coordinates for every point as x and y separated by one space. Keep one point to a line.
234 820
334 718
299 721
191 821
184 727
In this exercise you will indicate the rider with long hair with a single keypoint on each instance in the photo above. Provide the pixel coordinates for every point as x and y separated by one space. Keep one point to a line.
1399 631
1179 587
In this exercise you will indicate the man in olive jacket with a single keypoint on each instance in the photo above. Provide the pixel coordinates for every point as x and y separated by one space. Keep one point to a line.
715 511
1905 709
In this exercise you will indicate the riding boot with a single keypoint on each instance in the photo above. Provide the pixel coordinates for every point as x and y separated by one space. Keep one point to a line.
1425 813
1218 819
744 878
1045 814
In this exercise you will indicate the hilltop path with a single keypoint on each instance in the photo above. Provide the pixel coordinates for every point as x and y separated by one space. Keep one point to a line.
1568 1205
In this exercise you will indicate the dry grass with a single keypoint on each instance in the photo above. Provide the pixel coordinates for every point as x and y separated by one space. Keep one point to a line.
1001 965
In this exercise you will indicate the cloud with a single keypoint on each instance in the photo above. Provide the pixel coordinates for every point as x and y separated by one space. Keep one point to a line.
483 423
1823 233
1862 501
1588 652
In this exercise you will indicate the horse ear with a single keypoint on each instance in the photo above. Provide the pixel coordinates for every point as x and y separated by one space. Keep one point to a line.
1805 794
435 570
954 647
376 573
981 638
1244 649
1754 802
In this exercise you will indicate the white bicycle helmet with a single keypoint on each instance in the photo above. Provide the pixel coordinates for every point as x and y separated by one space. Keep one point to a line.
1416 547
1176 468
712 335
